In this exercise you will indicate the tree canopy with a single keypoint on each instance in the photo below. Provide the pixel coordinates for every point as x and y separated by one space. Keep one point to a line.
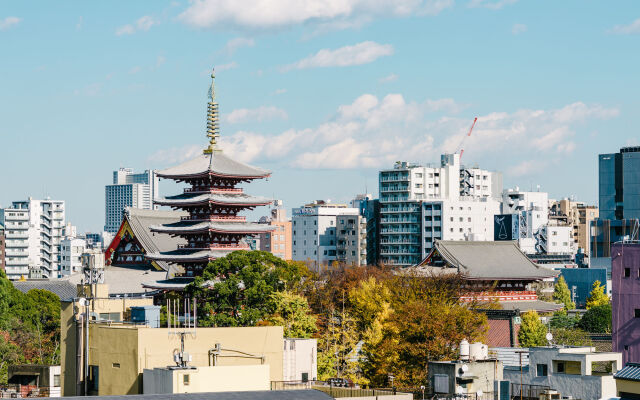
562 295
597 319
532 331
597 297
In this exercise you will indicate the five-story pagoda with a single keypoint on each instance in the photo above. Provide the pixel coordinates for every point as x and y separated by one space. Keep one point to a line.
213 227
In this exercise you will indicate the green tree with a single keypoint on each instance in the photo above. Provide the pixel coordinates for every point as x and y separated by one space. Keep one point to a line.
532 331
562 295
370 305
560 320
597 319
597 297
292 312
235 290
571 337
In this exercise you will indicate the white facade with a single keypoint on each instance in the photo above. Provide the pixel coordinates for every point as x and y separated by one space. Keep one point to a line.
299 360
71 250
314 232
34 230
559 239
129 190
414 200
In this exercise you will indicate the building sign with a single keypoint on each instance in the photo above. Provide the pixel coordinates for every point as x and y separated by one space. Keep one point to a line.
304 211
506 227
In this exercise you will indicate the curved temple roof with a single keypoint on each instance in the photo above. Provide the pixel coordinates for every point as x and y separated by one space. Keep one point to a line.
215 163
488 260
200 226
218 198
188 255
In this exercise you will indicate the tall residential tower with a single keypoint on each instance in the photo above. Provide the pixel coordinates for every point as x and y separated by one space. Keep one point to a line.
128 190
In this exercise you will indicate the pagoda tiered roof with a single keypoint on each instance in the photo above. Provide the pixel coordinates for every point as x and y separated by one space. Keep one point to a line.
215 163
222 198
187 226
191 255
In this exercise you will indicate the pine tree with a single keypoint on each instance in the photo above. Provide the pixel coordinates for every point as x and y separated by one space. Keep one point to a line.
562 295
597 297
532 331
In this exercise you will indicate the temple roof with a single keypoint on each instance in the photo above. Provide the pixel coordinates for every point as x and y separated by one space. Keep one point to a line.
198 226
230 198
215 163
139 221
485 261
188 255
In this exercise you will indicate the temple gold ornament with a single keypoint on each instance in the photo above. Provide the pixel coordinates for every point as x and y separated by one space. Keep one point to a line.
213 129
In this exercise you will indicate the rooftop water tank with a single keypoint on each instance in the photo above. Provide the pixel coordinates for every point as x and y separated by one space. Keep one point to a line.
464 350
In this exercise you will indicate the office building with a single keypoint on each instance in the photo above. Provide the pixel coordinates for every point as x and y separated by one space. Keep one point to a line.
128 190
577 215
619 204
351 239
71 250
370 210
422 204
34 230
278 241
299 360
314 232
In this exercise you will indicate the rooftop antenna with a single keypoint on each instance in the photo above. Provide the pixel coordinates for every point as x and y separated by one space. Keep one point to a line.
177 327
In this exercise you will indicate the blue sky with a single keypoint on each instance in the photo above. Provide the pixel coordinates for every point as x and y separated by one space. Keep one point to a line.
323 93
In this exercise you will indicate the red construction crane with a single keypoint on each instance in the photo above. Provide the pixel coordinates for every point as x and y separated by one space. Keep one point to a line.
468 134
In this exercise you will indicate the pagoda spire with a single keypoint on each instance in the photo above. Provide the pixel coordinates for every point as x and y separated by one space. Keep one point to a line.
213 129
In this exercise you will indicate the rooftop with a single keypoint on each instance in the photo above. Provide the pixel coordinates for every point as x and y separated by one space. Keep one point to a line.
257 395
215 163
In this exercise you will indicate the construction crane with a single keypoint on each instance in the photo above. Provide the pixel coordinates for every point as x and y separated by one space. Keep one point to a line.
465 137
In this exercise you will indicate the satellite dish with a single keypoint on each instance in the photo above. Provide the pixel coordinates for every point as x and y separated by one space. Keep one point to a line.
479 393
549 337
465 368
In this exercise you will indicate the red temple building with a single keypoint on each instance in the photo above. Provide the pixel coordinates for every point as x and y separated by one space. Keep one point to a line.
212 201
504 269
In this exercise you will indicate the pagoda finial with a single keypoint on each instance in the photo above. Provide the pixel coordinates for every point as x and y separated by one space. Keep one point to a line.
213 130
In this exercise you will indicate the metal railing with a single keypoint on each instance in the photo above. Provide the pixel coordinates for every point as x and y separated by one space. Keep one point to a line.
527 392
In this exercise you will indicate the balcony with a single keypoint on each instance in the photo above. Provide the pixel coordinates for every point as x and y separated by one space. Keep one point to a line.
205 189
400 221
394 188
400 210
220 218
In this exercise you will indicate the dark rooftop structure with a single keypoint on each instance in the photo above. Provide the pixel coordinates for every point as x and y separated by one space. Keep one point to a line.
308 394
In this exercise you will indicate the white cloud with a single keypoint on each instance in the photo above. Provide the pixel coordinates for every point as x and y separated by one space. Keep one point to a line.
374 132
361 53
80 23
262 113
524 168
389 78
224 67
518 28
160 60
135 70
236 43
632 28
9 22
175 155
142 24
278 14
490 4
280 91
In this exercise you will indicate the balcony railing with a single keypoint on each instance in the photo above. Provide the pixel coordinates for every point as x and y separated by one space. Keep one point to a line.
221 218
206 189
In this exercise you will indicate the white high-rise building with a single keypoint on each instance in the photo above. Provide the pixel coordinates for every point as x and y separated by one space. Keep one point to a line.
71 250
314 236
128 190
422 204
34 230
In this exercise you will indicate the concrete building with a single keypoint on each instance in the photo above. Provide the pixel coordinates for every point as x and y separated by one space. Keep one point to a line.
579 372
128 190
625 301
278 241
34 230
370 210
628 381
229 378
34 380
314 232
351 239
2 240
413 198
580 282
577 215
300 361
71 251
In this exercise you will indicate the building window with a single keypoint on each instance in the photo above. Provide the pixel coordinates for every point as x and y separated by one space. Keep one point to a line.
56 380
542 369
185 379
627 272
636 313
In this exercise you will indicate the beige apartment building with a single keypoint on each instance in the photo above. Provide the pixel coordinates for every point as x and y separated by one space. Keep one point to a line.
577 215
119 350
278 241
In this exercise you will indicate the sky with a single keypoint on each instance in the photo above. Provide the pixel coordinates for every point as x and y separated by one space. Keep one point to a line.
323 93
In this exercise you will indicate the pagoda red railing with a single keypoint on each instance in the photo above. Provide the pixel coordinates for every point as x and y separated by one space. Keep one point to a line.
212 190
215 247
225 218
